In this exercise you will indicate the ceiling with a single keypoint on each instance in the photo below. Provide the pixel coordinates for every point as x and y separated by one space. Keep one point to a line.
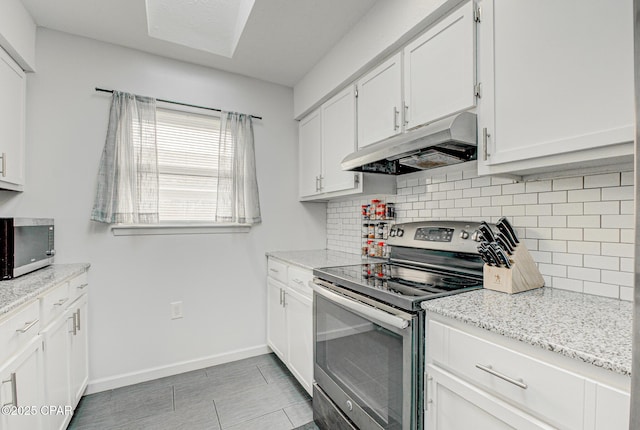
282 40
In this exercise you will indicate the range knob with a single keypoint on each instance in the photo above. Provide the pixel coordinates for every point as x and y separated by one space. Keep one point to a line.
393 232
400 232
476 236
464 234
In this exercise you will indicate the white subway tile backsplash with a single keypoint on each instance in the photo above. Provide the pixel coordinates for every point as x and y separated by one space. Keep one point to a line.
592 195
603 180
538 186
617 193
553 197
568 183
601 289
602 262
579 229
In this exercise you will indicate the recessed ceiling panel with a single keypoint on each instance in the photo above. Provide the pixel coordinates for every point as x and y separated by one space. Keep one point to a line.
214 26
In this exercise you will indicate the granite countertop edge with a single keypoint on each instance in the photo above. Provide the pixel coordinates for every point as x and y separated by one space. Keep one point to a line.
315 258
504 328
16 292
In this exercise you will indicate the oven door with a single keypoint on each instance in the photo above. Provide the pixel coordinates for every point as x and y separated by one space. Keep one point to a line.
364 358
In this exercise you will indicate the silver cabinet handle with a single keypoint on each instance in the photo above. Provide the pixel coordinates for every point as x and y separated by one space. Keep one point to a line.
27 326
485 142
82 287
298 281
274 270
284 299
489 369
320 178
61 302
280 296
75 324
395 118
317 183
4 164
14 390
78 320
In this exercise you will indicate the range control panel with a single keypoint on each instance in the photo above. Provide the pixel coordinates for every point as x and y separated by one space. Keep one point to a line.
434 234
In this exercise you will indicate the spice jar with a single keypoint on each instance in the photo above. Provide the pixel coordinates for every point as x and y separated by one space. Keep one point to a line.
381 211
365 211
372 248
391 210
373 209
380 249
380 230
371 231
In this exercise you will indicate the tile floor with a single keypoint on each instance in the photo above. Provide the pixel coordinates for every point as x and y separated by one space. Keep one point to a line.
257 393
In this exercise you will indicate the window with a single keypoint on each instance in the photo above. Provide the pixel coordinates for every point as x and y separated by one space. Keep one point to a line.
187 145
162 167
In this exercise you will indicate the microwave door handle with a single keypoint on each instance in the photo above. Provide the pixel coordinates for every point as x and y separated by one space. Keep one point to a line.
373 313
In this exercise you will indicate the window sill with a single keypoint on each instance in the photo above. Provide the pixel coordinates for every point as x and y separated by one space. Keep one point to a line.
177 228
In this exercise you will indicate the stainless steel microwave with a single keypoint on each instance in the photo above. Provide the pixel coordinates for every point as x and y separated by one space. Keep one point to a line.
26 244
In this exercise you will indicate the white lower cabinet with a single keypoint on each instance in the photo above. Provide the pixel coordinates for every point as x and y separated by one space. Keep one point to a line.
79 349
478 379
21 393
289 319
56 342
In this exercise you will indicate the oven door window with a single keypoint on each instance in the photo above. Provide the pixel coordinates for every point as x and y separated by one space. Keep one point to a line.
364 359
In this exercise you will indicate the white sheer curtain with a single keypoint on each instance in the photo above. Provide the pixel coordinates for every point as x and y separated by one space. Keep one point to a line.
237 195
127 190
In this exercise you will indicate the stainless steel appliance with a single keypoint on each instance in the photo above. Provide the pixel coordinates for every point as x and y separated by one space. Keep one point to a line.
448 141
26 244
369 327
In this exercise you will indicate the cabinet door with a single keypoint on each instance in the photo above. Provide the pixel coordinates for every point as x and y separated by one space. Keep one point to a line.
276 319
453 404
551 84
612 408
338 140
56 368
300 337
380 102
22 387
12 122
439 69
310 153
79 353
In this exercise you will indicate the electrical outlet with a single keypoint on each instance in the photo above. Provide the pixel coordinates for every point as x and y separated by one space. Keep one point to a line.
176 310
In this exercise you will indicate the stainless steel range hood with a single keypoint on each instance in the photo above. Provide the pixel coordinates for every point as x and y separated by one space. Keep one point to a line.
448 141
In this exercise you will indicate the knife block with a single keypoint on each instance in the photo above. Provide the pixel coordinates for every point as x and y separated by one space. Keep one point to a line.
522 276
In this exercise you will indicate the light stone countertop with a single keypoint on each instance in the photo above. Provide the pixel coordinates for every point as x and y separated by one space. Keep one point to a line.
593 329
315 258
15 292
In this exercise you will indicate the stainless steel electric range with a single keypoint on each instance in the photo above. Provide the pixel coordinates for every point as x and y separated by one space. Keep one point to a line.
369 327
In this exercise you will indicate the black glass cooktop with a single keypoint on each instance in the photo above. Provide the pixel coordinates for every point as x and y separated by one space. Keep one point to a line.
398 285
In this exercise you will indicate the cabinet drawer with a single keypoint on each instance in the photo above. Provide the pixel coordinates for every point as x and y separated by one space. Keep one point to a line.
277 270
299 280
544 390
54 302
78 286
18 329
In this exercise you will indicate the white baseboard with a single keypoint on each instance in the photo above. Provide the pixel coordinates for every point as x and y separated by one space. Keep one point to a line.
123 380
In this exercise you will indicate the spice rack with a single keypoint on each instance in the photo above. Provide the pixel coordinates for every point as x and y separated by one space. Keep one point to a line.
376 217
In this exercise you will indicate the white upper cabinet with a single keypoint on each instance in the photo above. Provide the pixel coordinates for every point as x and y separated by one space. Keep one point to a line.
12 123
380 102
338 137
439 69
557 84
310 153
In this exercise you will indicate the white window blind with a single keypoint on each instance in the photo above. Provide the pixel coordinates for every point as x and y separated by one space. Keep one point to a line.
188 154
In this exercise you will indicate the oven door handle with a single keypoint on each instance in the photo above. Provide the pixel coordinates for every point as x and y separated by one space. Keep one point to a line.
371 312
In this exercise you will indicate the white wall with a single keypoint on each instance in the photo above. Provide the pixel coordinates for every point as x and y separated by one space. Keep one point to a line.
578 229
220 278
380 32
18 33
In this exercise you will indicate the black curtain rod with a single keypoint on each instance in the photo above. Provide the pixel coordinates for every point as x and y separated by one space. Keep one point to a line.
179 103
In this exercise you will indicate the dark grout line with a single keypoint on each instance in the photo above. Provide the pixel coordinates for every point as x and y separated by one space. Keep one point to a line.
287 415
173 397
215 408
262 374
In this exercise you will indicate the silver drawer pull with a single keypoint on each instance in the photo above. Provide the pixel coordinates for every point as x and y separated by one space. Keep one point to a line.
61 302
14 390
516 382
274 270
27 326
82 287
298 281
